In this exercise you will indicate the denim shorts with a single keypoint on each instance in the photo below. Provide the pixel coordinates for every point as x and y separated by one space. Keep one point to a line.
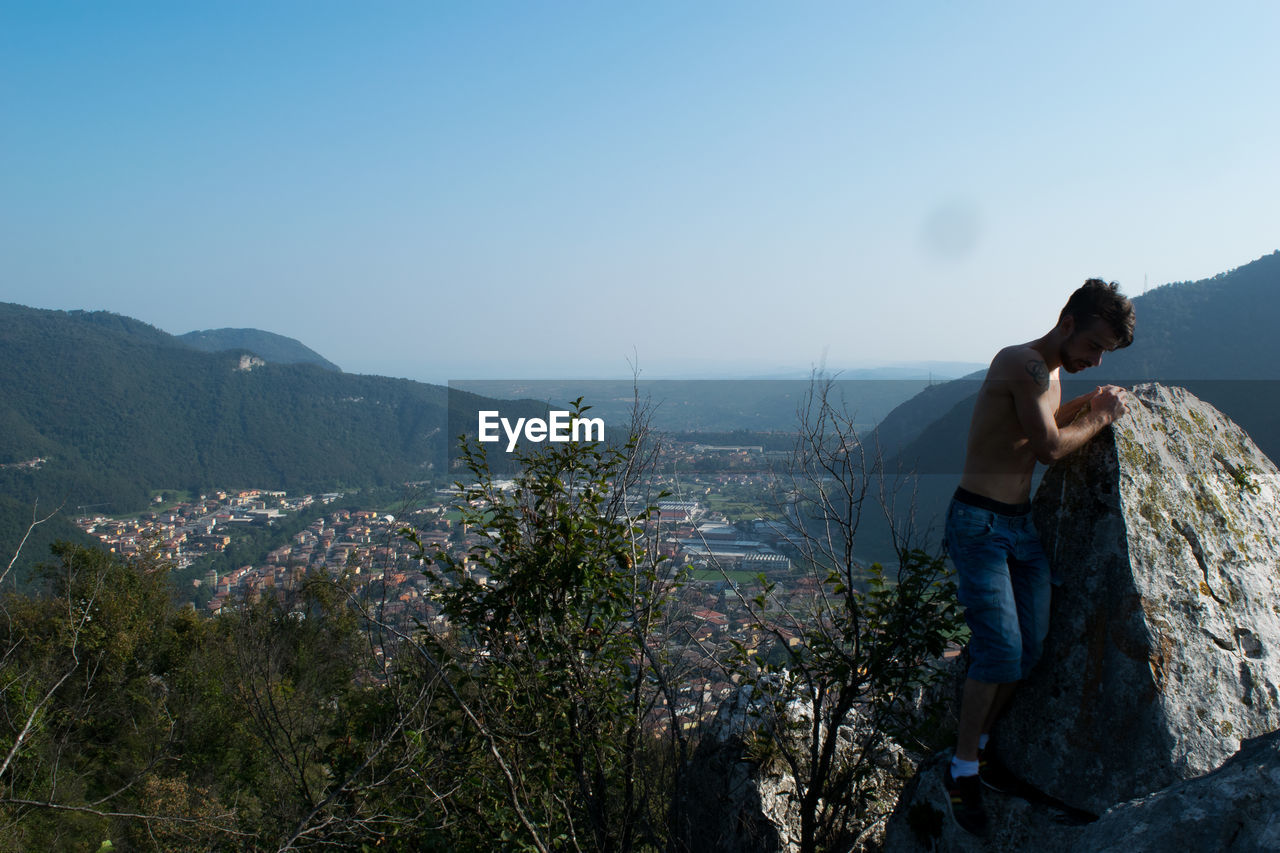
1002 580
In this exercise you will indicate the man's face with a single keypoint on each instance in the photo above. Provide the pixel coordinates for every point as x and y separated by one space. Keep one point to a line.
1086 344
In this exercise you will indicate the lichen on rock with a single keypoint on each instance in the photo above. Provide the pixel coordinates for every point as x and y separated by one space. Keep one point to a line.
1164 648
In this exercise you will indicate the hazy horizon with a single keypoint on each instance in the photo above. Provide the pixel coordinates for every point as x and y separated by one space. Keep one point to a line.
440 191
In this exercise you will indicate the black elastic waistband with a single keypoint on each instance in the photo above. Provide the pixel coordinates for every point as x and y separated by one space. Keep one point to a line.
983 502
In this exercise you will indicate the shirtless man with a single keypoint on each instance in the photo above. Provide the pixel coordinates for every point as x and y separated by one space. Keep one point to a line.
1002 572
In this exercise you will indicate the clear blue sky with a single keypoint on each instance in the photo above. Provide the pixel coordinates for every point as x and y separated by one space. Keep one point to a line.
537 189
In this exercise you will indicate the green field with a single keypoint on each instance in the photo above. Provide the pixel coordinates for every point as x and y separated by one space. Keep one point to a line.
743 577
739 509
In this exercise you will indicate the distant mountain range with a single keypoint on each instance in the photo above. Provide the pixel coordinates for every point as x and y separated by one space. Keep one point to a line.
98 411
270 347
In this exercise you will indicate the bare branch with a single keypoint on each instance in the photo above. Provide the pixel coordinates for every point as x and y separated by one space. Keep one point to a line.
35 522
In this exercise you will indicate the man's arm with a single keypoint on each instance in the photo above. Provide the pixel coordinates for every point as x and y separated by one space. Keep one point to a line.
1068 411
1039 420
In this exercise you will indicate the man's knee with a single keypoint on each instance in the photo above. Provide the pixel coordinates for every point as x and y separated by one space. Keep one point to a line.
995 671
995 659
995 640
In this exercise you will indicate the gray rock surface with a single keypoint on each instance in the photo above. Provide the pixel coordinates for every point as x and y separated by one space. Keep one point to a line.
1234 808
922 821
731 799
1163 651
1164 645
738 794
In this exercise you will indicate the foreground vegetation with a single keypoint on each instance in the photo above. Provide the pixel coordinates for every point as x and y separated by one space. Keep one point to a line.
537 714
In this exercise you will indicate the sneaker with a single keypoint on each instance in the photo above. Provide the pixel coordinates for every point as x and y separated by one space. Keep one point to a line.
965 794
995 775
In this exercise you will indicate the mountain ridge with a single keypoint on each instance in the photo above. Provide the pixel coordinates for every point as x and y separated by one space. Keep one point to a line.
118 408
269 346
101 409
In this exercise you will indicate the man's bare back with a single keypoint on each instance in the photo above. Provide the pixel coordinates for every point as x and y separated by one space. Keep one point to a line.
1018 418
998 459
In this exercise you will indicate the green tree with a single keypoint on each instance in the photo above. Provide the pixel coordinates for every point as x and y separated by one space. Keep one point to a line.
88 717
551 655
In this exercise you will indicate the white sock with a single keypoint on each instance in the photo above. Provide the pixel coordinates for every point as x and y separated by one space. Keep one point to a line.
982 741
963 768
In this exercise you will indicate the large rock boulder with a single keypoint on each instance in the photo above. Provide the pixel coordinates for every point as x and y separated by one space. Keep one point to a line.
922 821
738 794
1164 645
1231 809
1234 808
734 796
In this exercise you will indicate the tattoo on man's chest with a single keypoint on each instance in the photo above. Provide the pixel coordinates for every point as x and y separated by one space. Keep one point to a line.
1039 372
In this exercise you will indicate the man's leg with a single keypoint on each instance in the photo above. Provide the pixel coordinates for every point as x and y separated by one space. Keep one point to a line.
1003 694
994 650
980 706
994 774
976 707
960 775
980 555
1029 576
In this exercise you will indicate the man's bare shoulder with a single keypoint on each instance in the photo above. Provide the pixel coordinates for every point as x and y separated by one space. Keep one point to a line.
1021 363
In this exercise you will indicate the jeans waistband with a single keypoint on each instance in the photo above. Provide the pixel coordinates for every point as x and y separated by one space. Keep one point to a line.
983 502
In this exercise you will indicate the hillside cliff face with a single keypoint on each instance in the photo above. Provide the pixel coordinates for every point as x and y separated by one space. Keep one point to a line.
268 346
1163 653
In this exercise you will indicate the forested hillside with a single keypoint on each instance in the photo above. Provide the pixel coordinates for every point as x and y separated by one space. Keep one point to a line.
1218 328
99 410
117 408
